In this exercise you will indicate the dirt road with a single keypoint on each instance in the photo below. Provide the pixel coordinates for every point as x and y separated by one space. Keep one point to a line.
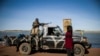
11 51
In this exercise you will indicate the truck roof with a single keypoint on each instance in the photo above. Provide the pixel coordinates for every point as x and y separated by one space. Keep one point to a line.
52 25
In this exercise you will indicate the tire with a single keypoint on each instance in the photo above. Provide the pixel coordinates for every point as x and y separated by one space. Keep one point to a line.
79 50
25 48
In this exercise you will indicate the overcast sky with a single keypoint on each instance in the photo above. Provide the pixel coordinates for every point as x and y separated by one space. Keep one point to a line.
19 14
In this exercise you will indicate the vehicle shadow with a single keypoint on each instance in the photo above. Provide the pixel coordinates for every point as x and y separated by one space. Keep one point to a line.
49 51
55 51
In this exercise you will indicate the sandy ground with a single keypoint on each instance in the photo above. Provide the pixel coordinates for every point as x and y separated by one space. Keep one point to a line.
11 51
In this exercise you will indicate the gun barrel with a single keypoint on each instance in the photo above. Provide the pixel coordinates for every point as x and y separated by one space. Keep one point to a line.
44 24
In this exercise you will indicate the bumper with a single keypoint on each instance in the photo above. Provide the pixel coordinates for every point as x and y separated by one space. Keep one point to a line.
88 45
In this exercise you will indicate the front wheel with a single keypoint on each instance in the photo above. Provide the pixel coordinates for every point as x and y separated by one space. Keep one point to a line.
79 50
25 48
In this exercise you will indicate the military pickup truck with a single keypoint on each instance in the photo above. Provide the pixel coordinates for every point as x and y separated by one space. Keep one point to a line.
50 37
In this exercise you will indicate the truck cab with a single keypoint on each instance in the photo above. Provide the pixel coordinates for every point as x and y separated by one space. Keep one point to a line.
53 38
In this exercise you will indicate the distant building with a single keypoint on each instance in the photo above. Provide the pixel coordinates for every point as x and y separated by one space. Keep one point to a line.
66 22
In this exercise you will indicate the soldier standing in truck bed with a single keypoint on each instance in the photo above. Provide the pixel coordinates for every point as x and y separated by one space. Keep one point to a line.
35 31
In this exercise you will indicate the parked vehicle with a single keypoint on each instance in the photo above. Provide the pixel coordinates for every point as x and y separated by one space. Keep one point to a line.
51 37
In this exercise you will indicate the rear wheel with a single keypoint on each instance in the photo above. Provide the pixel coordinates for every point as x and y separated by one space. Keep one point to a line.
79 50
25 48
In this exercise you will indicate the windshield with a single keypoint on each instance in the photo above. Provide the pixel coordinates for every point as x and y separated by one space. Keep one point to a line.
57 30
54 31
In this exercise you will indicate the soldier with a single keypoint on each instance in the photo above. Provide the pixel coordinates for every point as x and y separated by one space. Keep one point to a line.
35 31
35 28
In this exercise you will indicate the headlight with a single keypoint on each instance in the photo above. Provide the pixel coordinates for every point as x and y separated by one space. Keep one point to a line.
84 39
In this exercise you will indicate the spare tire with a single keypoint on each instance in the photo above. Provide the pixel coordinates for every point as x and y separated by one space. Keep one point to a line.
25 48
